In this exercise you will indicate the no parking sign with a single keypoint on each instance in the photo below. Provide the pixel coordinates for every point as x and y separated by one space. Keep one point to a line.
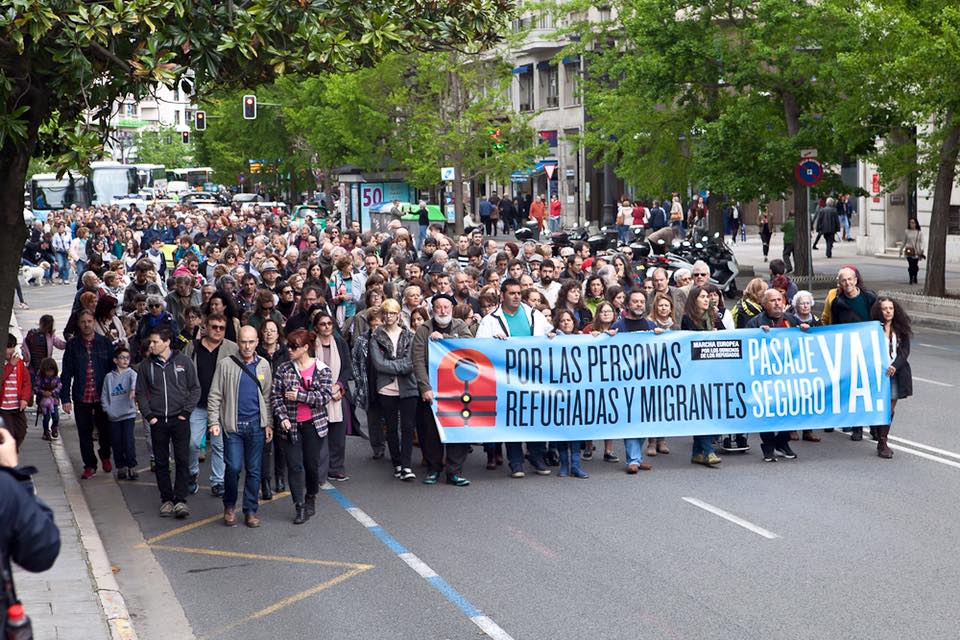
809 172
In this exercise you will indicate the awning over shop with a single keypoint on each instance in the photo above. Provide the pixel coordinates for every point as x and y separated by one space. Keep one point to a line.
524 68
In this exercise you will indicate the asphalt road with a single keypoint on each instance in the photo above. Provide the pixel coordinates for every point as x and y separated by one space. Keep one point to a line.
838 544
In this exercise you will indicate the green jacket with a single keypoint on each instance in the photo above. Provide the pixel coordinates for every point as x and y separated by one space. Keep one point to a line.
789 230
222 399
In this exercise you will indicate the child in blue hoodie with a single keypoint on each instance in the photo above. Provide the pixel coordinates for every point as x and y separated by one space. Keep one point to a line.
117 398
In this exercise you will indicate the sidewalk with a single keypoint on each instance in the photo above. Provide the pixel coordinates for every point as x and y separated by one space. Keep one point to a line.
77 598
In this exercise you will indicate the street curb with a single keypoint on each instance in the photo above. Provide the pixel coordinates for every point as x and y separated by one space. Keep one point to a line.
108 591
112 604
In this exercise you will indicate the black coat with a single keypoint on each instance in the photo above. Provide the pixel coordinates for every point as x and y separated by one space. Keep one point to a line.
28 536
903 376
829 221
842 313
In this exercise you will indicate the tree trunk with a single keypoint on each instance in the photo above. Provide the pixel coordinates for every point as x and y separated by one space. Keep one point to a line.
13 232
935 282
802 265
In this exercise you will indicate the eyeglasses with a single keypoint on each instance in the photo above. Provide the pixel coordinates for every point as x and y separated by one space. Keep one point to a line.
286 292
701 275
217 327
325 323
155 306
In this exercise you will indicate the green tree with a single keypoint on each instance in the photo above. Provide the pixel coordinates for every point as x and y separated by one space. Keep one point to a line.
723 93
60 58
164 146
906 60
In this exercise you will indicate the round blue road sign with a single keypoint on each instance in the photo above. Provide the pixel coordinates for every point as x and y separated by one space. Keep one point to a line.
809 172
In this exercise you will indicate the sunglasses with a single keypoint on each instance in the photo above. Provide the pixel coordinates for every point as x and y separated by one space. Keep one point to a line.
217 327
155 306
294 347
325 323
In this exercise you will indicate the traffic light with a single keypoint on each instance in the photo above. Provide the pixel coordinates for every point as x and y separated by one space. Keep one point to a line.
185 137
496 140
200 121
249 107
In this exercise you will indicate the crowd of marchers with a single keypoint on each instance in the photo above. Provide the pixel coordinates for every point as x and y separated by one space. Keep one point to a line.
261 343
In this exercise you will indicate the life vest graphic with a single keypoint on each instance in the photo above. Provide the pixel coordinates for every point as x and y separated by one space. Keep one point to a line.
467 390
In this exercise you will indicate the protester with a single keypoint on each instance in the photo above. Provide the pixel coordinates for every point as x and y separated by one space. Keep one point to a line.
206 354
334 352
17 392
167 393
301 390
238 405
700 315
897 330
118 399
86 360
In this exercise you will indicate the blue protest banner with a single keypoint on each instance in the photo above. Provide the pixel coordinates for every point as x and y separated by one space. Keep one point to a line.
641 384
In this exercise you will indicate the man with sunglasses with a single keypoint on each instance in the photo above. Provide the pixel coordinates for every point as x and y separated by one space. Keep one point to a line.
206 353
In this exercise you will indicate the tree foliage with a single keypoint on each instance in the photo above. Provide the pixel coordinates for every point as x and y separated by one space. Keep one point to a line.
164 146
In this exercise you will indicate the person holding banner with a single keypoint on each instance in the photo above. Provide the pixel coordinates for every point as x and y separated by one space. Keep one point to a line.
568 452
897 330
513 319
701 315
852 303
773 315
442 325
603 323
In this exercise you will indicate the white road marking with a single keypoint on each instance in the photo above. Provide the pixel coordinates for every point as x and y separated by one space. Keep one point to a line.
491 628
921 454
939 384
418 565
935 346
360 516
926 447
737 520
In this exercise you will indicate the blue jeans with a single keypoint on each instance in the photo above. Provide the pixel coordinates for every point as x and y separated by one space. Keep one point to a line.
702 444
243 450
515 452
845 223
624 231
123 444
198 429
81 267
421 236
633 449
63 266
555 223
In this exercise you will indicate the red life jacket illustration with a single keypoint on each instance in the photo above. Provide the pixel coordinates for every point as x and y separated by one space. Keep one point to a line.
466 390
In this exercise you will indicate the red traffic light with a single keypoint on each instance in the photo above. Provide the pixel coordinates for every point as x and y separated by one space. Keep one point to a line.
249 107
185 137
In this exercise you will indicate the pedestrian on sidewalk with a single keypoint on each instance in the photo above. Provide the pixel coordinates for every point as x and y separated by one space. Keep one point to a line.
828 225
117 398
765 233
17 392
912 248
237 404
789 230
86 361
167 394
47 390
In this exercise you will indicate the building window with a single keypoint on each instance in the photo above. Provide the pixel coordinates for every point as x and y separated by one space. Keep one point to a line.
953 222
546 20
176 117
188 115
549 85
571 78
131 108
176 92
525 90
522 24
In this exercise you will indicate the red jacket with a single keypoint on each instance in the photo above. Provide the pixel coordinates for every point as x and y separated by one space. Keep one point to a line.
18 369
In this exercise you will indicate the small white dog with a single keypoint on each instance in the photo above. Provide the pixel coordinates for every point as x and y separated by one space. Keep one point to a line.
34 275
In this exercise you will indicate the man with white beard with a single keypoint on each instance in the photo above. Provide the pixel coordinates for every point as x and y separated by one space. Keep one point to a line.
441 325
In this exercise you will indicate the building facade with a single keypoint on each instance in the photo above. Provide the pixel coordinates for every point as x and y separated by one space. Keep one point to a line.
167 108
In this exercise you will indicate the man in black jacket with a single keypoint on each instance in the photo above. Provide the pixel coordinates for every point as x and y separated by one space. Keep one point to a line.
828 224
28 534
167 393
773 316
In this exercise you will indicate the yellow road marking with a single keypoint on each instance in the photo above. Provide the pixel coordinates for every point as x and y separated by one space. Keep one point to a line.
285 602
200 523
259 556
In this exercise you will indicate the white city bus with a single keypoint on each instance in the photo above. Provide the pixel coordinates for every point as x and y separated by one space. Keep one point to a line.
152 176
196 177
102 185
